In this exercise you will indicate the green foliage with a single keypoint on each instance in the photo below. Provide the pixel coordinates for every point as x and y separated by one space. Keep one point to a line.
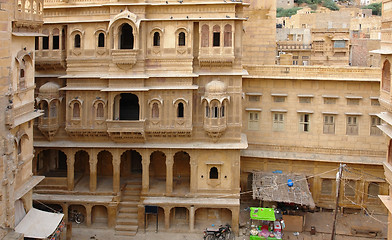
376 8
280 12
331 5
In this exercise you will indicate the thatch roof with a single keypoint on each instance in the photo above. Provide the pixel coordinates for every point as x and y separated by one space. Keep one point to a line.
273 187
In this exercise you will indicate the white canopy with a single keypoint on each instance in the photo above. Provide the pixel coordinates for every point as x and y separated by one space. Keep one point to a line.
39 224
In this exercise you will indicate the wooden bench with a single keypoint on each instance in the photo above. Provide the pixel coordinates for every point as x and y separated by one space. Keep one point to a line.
366 231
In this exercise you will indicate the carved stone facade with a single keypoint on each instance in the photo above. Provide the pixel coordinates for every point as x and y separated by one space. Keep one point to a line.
154 102
20 22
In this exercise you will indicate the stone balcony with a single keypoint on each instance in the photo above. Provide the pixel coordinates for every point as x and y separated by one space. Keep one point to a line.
291 46
123 130
50 59
124 58
218 56
215 126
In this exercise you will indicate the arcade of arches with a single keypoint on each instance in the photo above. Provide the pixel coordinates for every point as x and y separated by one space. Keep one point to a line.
161 172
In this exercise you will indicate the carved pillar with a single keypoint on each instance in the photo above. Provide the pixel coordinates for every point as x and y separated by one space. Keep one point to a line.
167 217
88 215
93 171
70 170
116 171
65 212
235 219
146 172
169 173
235 172
112 214
194 175
192 218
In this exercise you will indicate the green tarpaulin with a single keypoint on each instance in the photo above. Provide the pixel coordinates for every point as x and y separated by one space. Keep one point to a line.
266 214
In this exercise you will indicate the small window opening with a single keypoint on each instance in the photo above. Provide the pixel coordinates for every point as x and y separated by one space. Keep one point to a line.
101 40
157 39
180 110
181 39
214 173
77 41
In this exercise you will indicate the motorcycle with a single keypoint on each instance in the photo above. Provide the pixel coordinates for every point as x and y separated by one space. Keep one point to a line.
75 216
221 233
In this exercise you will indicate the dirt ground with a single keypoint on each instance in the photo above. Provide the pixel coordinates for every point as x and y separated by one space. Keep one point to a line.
322 221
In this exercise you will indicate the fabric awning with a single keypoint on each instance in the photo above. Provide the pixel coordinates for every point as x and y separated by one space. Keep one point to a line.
39 224
274 187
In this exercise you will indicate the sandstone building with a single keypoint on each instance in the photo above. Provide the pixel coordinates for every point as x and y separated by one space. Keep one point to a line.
161 103
20 22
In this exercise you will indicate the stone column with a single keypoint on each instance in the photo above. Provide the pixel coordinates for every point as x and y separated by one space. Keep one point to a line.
235 172
146 172
169 174
194 175
112 214
88 215
70 170
235 219
167 217
116 171
192 218
65 212
93 171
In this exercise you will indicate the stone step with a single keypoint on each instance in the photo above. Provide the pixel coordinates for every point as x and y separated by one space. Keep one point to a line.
127 222
129 204
133 191
125 233
130 198
129 228
127 210
126 215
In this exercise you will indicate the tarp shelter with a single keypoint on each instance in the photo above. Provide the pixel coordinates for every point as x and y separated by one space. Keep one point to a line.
39 224
274 187
266 214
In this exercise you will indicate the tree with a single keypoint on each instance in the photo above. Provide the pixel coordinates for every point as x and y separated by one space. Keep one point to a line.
280 12
331 5
376 8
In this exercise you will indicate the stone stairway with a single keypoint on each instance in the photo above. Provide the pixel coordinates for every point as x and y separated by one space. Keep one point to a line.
127 217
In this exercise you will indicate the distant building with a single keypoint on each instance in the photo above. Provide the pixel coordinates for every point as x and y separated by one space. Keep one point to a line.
284 4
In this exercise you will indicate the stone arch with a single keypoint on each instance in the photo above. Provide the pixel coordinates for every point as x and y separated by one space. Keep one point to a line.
82 167
182 37
99 215
131 164
52 163
386 76
179 218
104 170
77 208
228 36
126 107
181 172
205 36
157 171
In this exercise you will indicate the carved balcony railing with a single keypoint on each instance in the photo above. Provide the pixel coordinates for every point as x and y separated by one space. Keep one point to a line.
122 130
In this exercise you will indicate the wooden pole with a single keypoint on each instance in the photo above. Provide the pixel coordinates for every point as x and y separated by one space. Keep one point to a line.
338 177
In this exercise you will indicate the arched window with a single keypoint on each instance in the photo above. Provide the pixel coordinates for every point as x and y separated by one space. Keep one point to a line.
77 41
76 110
44 106
180 110
56 39
100 112
181 39
22 81
40 8
216 36
222 111
157 39
215 110
101 40
19 5
53 110
207 111
126 37
35 10
22 73
214 173
20 146
227 36
386 76
45 40
27 6
126 107
205 35
155 110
